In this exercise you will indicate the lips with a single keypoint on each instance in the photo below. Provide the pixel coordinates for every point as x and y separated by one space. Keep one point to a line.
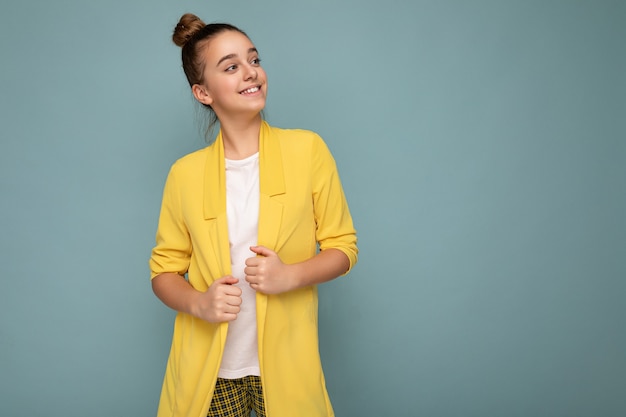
250 90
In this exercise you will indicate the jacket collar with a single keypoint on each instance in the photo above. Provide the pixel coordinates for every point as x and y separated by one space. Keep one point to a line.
271 175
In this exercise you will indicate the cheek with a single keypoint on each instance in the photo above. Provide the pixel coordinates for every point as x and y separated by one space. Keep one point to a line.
221 87
263 76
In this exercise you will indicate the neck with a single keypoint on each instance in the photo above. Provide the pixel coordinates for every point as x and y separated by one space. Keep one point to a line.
241 140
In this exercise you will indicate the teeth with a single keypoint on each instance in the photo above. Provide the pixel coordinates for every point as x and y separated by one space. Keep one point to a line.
250 90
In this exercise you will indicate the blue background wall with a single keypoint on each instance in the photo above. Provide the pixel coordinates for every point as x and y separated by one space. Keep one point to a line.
482 149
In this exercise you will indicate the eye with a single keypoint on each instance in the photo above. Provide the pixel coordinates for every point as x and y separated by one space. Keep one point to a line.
256 61
231 68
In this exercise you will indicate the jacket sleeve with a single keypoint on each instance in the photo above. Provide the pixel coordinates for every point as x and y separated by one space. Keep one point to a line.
172 252
334 227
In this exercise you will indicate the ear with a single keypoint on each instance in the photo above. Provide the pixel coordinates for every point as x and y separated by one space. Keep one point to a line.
201 94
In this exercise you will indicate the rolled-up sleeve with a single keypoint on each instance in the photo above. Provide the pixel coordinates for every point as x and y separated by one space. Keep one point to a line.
334 226
172 252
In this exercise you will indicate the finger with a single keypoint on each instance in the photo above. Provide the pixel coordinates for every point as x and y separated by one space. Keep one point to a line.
228 317
254 261
231 291
252 279
233 301
251 270
262 250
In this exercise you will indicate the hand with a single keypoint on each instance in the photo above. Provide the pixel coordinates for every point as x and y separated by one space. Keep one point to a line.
266 273
221 302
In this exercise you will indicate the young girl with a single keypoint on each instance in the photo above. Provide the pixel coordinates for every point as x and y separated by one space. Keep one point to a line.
254 221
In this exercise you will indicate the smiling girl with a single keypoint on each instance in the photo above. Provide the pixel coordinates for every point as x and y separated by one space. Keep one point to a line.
248 227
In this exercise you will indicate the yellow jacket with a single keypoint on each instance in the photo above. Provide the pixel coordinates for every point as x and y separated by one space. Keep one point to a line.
302 204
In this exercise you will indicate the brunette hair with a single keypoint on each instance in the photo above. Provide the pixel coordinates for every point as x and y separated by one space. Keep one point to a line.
192 34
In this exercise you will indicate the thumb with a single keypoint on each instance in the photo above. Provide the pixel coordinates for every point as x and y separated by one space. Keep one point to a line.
262 251
227 280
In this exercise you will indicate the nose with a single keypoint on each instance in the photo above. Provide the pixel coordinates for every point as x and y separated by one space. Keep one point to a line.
251 73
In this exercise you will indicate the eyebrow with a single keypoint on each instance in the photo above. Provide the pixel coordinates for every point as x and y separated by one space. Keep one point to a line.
229 56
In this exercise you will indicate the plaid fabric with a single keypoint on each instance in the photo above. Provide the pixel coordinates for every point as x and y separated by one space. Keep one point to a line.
237 397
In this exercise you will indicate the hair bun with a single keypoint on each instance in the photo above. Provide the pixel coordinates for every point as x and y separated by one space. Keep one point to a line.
188 25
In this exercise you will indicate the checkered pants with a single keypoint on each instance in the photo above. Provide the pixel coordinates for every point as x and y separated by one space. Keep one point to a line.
237 397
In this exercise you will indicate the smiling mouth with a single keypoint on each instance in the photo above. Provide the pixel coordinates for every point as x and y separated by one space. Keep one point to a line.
251 90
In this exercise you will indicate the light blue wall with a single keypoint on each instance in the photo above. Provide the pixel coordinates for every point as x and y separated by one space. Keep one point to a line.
482 148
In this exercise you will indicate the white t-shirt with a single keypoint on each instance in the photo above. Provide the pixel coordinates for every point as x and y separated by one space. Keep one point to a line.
241 356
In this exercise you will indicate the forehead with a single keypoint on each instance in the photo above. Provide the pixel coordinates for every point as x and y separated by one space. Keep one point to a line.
226 43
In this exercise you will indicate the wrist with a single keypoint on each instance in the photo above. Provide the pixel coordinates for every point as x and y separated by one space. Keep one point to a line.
192 305
295 276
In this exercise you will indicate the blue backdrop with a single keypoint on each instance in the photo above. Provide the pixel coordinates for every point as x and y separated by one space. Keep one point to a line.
482 149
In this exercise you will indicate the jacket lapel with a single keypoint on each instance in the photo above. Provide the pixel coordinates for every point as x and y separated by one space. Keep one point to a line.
271 183
215 180
214 210
214 207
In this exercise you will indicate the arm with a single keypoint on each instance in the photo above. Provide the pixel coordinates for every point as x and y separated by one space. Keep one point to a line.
266 273
221 302
170 260
334 232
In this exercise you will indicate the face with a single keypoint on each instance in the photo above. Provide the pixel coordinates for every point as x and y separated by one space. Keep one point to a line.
234 82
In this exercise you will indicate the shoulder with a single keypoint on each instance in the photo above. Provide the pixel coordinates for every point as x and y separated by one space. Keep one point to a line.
304 148
297 139
191 162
